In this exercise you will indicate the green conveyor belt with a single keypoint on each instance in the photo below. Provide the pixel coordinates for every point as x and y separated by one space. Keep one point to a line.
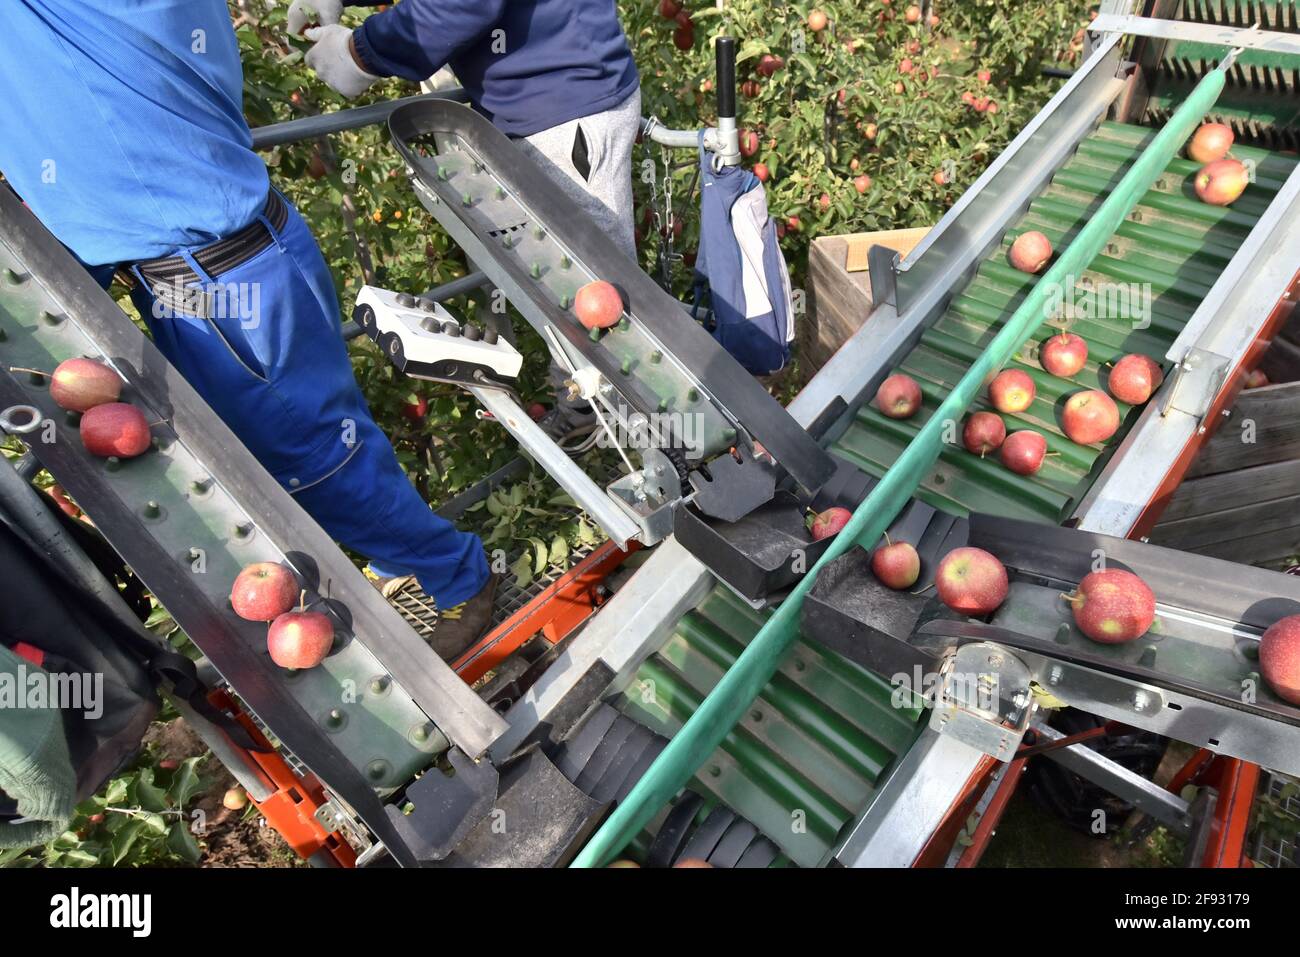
1171 240
812 746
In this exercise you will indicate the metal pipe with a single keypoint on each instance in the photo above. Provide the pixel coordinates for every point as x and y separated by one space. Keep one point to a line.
742 683
323 124
458 287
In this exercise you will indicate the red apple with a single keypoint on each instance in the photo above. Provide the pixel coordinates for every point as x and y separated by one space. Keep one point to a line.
1063 355
769 64
830 522
912 14
899 397
234 799
1023 452
940 177
1222 182
1279 658
862 183
598 305
536 411
870 130
896 564
762 172
81 384
750 89
1153 369
115 428
668 9
263 591
971 581
1256 379
60 496
1211 142
748 142
907 66
984 76
415 407
300 639
1089 417
984 433
1113 606
1030 252
817 21
824 201
1130 379
1012 390
683 38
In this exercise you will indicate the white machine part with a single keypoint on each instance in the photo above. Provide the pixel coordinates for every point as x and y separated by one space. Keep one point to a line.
427 336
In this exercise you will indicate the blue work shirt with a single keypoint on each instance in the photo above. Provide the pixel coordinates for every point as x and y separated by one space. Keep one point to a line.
527 65
123 124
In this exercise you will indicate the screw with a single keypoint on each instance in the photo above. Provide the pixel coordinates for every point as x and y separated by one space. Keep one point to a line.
1054 676
656 357
535 271
1140 701
50 319
152 510
13 278
565 262
244 530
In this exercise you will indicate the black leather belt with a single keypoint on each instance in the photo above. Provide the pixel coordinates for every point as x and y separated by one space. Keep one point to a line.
170 276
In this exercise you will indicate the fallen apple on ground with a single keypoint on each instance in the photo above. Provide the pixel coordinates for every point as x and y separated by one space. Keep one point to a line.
896 564
263 591
300 639
1222 182
1023 452
829 522
82 384
115 428
1090 417
234 800
1063 355
1211 142
1030 252
899 396
1279 658
971 581
1012 390
598 305
1113 606
1130 379
984 433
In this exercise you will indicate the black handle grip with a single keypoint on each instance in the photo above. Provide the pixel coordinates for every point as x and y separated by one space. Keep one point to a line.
726 54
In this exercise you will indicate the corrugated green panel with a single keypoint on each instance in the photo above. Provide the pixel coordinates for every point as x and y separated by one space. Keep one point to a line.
813 745
1172 241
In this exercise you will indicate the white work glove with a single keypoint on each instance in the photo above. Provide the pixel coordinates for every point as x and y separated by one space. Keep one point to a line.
306 13
331 58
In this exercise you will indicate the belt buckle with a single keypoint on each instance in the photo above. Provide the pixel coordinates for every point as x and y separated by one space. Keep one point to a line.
191 300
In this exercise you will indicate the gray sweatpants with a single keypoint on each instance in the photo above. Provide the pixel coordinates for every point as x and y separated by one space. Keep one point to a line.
604 192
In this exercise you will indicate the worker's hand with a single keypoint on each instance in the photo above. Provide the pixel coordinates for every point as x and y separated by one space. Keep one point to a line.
332 58
306 13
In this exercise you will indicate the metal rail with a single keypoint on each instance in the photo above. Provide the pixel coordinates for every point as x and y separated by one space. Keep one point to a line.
323 124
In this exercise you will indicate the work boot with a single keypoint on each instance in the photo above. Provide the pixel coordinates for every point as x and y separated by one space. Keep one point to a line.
454 629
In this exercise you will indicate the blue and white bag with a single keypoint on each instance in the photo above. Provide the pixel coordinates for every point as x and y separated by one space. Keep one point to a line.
740 275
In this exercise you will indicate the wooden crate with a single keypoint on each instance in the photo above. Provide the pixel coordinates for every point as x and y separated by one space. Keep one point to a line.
839 301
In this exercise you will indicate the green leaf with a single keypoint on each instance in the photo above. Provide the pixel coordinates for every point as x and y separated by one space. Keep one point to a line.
125 839
539 555
147 794
186 782
559 550
182 843
522 570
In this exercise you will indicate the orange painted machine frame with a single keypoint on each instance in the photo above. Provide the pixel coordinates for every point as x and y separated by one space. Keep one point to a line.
558 609
291 808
